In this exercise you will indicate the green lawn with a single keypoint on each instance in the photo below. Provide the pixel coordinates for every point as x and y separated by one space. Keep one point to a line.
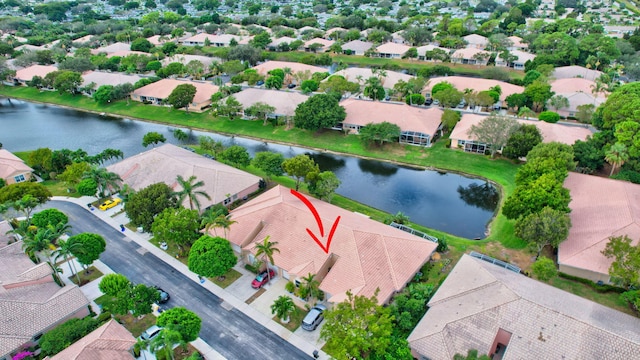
86 276
227 279
59 188
295 319
608 299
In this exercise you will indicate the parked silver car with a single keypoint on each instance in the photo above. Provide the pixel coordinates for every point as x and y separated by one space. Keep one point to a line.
151 332
314 318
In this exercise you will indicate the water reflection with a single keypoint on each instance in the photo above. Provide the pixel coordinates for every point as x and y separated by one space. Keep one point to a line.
449 202
484 196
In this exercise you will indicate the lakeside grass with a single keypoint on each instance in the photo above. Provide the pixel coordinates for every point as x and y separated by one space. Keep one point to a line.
501 172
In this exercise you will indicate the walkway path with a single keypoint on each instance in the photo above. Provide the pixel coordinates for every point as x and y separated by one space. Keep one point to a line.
115 217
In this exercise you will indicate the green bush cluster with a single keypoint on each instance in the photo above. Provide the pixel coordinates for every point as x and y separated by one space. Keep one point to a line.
66 334
604 288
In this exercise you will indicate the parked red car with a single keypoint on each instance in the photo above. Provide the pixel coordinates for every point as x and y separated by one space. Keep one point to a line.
262 279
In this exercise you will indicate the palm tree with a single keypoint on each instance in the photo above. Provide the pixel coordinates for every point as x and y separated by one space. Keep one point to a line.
40 240
282 307
616 156
166 339
23 229
266 249
311 287
224 222
189 187
65 250
105 179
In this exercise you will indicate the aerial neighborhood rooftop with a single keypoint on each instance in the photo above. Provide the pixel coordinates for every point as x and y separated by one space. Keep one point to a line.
247 221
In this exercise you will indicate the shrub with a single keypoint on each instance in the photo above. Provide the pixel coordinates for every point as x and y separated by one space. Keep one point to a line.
544 268
549 116
66 334
290 287
87 187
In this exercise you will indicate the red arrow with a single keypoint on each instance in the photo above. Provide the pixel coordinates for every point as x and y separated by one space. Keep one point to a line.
318 221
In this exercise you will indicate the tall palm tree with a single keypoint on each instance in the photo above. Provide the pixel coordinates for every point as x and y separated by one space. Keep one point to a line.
224 222
103 178
266 249
616 156
311 287
189 191
166 339
38 241
65 250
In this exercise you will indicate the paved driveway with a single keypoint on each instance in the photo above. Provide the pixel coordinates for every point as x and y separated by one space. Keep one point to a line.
230 332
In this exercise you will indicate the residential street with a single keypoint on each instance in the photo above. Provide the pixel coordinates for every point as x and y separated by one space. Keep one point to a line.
230 332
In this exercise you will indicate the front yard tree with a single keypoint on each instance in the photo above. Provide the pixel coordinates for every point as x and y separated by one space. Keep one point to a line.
136 299
625 268
73 172
15 192
179 319
67 82
299 166
87 187
177 226
538 92
449 97
182 96
189 191
269 162
211 256
152 137
380 133
261 111
522 141
358 328
144 205
266 249
494 130
535 196
547 227
112 284
319 112
283 307
106 180
25 205
89 249
229 107
50 217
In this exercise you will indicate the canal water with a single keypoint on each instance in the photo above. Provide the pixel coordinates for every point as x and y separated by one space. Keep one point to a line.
448 202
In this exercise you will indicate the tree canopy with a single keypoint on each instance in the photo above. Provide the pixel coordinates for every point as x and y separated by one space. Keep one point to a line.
211 256
269 162
152 137
494 130
546 227
145 204
182 96
15 192
177 226
522 141
318 112
184 321
380 133
89 249
49 217
112 284
625 268
546 190
357 328
299 166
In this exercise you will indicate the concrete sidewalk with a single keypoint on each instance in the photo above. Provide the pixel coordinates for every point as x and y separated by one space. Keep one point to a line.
114 218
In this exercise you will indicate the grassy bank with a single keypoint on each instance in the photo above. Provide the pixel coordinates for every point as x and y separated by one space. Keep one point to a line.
500 172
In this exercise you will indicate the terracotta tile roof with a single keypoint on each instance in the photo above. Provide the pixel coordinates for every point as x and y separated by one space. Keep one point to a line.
83 39
352 74
468 53
475 39
30 302
366 254
110 341
284 102
408 118
324 42
600 208
357 46
119 46
423 49
11 165
522 57
280 40
392 48
334 29
125 53
108 78
162 89
574 85
462 82
478 299
217 39
186 58
574 71
265 67
28 73
566 134
517 42
155 40
166 162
